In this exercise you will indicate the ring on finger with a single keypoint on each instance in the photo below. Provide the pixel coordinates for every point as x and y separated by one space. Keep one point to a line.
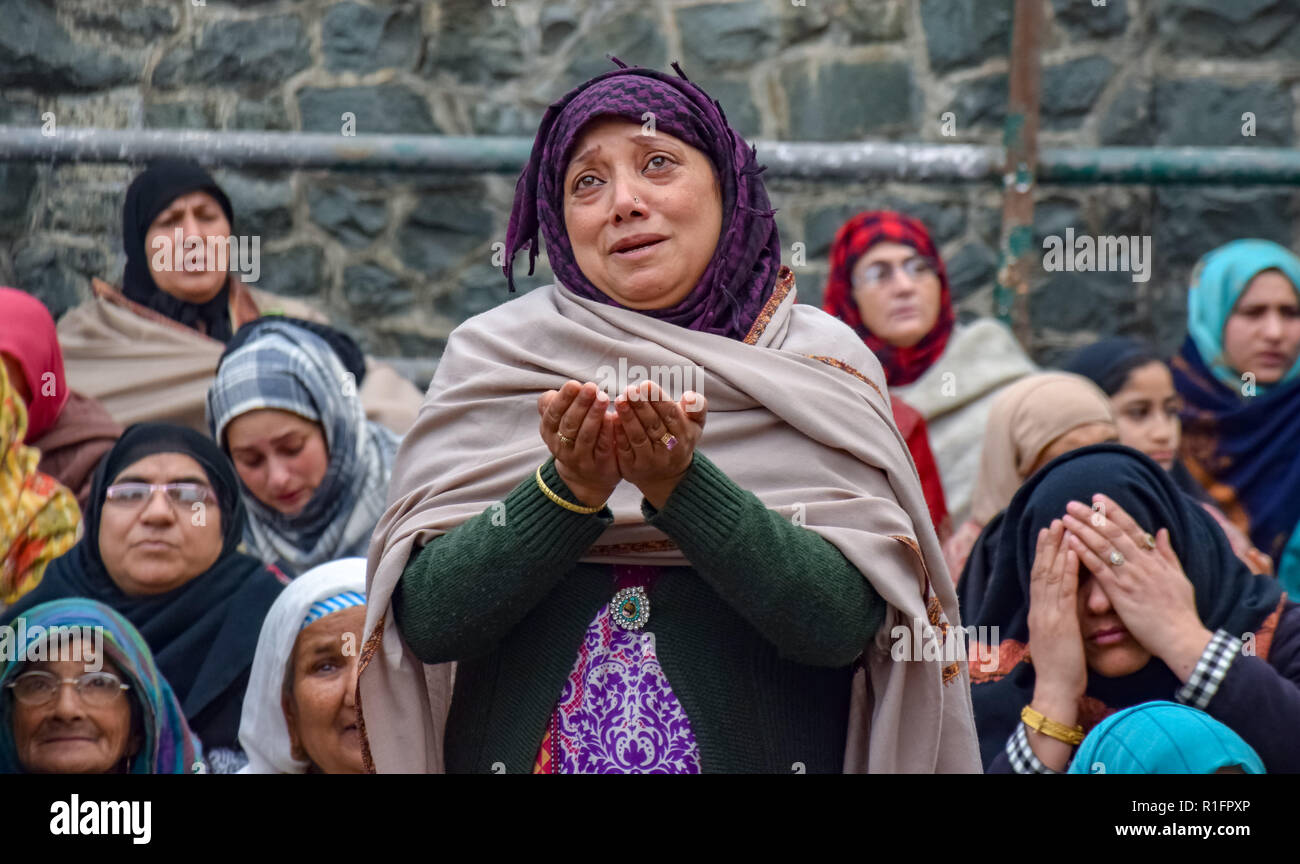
565 439
1149 541
668 440
1116 559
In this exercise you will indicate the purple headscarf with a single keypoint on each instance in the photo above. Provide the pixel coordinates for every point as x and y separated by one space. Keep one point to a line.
741 275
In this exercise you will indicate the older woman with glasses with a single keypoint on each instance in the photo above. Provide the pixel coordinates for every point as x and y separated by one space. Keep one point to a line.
623 589
887 281
94 703
162 531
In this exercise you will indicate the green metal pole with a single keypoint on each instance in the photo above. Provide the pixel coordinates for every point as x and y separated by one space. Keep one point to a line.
1020 138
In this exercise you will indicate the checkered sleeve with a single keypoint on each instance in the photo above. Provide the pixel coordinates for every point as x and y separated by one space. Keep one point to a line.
1023 760
1210 670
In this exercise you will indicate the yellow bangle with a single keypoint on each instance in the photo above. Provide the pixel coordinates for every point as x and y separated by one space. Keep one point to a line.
586 511
1072 735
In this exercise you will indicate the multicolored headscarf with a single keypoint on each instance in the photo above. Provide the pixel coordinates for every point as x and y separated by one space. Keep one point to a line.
742 273
855 237
1163 738
38 516
288 368
28 334
169 747
1245 449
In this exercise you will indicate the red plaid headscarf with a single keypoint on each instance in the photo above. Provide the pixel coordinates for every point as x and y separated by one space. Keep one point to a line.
902 365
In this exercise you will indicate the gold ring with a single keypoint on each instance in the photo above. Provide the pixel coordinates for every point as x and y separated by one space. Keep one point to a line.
669 441
564 439
1149 541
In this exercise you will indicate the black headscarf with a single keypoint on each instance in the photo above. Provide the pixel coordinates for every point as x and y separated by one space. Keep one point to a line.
1228 595
202 634
1109 363
149 194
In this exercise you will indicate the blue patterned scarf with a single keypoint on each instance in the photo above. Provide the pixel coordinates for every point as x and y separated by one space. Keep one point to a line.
169 747
288 368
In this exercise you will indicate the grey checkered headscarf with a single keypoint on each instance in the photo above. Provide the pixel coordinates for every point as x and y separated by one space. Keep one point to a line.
292 369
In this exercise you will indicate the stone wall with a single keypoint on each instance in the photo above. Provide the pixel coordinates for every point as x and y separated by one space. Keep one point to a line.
400 259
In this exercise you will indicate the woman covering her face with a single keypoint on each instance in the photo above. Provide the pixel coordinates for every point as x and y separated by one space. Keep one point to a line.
161 548
1239 377
887 281
1032 422
1108 588
71 430
1141 391
313 469
717 581
300 712
39 518
89 714
149 350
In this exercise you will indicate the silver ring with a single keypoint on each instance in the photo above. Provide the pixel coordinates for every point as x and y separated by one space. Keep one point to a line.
1116 559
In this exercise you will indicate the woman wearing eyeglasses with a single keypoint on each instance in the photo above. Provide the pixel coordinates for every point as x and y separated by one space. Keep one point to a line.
888 282
162 530
92 707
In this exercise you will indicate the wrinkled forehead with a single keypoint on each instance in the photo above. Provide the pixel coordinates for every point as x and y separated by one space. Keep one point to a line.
603 132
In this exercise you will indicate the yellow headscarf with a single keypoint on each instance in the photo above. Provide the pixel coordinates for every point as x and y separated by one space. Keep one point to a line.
39 517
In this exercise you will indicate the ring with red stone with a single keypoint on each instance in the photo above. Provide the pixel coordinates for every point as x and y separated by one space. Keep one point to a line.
669 441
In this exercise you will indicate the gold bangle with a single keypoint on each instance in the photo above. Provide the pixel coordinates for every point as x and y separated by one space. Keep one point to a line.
1072 735
586 511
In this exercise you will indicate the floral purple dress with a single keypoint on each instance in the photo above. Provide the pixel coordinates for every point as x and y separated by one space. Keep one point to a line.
617 713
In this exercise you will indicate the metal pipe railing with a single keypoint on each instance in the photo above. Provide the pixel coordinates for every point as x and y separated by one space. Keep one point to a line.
944 163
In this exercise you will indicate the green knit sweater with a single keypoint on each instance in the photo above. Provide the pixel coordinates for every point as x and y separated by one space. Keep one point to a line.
757 639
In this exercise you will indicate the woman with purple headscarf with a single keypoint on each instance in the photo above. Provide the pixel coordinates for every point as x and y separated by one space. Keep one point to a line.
624 590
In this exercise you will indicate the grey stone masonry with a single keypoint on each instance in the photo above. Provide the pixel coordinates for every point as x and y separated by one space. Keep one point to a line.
400 260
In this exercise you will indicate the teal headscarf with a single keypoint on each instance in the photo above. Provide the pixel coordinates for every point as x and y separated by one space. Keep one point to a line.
1163 738
169 746
1220 278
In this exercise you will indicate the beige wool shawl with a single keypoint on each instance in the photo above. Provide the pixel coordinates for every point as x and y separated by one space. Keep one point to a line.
144 367
797 415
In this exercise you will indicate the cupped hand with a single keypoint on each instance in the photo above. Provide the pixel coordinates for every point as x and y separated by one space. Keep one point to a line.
580 435
655 438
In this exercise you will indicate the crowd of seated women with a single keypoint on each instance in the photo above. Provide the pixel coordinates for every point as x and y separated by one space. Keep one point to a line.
198 471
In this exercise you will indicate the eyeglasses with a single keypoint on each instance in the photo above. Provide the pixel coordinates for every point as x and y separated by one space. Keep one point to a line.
882 271
96 689
137 494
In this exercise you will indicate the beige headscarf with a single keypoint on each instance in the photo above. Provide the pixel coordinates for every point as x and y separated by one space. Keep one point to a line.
797 415
1025 418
